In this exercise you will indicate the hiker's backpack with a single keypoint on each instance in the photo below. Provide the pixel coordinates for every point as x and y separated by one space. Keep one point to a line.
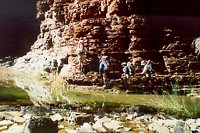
54 63
81 52
126 70
150 66
131 70
107 65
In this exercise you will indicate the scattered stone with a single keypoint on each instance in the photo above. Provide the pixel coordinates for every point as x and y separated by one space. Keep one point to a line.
68 130
80 119
130 117
112 125
86 128
181 127
198 122
71 118
19 120
104 119
99 127
158 128
84 122
10 115
125 129
3 128
61 126
27 116
15 128
5 123
56 117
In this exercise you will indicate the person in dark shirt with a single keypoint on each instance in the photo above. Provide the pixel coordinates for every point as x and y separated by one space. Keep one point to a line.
103 69
128 70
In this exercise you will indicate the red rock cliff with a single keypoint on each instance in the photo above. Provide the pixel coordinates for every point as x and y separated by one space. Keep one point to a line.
125 30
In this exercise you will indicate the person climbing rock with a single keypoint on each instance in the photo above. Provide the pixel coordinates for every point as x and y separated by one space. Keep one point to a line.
81 52
54 67
104 68
131 68
148 68
127 72
60 65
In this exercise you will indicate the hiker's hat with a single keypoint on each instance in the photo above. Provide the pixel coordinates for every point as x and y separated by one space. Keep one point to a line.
80 41
143 63
129 63
104 56
123 63
149 62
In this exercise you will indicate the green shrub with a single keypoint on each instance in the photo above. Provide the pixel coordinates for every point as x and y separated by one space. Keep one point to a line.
40 74
177 105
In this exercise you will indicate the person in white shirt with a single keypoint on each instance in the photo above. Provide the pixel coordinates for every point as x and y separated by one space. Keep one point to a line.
81 52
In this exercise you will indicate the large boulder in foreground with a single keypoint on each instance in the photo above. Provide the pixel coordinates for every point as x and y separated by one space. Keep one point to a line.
40 125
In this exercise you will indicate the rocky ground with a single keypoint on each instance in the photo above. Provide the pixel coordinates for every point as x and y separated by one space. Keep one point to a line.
19 119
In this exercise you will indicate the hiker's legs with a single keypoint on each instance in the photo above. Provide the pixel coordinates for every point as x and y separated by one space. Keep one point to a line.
81 63
105 79
148 75
59 69
128 81
124 80
54 72
148 84
81 66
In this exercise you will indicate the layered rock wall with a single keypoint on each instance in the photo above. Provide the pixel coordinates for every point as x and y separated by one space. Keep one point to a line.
125 30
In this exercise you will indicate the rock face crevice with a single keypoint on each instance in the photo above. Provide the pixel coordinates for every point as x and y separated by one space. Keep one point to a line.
126 30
